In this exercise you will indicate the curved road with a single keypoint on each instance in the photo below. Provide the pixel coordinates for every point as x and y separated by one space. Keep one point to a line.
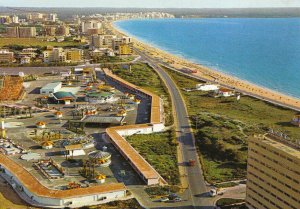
196 184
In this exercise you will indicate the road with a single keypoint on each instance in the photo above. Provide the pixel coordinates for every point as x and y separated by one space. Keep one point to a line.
196 184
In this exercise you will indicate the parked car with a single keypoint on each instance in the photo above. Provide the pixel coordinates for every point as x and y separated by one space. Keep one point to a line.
164 199
213 192
177 199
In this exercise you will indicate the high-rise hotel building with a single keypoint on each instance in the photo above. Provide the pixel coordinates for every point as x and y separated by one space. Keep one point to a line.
273 173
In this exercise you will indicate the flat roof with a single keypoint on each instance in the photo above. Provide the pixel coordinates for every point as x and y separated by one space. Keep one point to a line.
282 144
155 100
135 158
62 95
73 147
102 119
51 85
35 187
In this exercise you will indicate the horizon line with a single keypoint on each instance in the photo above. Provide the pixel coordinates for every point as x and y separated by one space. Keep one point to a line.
153 7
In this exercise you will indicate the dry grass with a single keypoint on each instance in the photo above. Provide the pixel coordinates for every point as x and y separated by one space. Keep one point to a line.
34 42
12 88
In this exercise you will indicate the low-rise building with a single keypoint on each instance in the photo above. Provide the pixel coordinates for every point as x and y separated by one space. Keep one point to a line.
54 55
224 92
34 191
25 60
207 87
74 55
51 88
66 97
125 49
6 56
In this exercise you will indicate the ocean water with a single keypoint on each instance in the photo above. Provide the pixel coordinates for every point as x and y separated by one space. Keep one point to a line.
263 51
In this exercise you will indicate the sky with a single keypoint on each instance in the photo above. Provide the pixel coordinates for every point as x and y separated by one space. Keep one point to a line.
153 3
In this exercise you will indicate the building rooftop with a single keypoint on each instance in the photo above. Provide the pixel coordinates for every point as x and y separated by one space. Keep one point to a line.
35 187
51 85
120 142
74 147
102 119
63 95
99 94
135 158
282 144
155 100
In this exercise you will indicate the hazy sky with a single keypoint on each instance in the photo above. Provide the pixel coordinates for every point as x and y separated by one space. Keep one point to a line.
152 3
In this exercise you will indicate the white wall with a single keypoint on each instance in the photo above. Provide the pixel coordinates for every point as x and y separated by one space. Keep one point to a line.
81 200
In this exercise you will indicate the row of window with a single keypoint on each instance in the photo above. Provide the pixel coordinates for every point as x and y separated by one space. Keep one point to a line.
269 192
277 171
276 153
274 178
267 199
256 200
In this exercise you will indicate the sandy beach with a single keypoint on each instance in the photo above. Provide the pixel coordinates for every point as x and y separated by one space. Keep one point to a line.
215 76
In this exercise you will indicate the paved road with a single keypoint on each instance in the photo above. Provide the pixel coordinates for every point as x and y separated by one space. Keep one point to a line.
197 187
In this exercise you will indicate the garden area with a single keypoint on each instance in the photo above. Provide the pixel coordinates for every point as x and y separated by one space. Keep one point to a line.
124 204
222 127
160 150
144 76
109 59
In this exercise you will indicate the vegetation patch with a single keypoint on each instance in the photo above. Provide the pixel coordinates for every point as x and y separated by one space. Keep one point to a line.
226 184
125 204
160 150
222 127
108 59
144 76
223 202
31 42
161 190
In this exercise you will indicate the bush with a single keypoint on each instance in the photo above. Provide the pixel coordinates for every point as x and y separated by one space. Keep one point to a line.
228 201
160 150
161 190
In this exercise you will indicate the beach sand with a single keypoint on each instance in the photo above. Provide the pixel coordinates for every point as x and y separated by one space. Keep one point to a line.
215 76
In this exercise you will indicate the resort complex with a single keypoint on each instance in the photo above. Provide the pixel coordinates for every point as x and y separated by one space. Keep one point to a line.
75 194
92 117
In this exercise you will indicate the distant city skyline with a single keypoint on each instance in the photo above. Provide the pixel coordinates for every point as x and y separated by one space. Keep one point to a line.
154 3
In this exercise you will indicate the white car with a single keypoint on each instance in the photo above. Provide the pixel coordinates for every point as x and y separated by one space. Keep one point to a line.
164 199
212 192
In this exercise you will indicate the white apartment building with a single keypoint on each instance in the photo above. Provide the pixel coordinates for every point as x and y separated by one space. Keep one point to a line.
90 24
54 55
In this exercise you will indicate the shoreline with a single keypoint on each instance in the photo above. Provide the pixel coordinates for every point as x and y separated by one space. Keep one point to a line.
213 76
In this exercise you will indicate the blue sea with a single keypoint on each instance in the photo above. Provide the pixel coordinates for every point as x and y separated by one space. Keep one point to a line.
263 51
